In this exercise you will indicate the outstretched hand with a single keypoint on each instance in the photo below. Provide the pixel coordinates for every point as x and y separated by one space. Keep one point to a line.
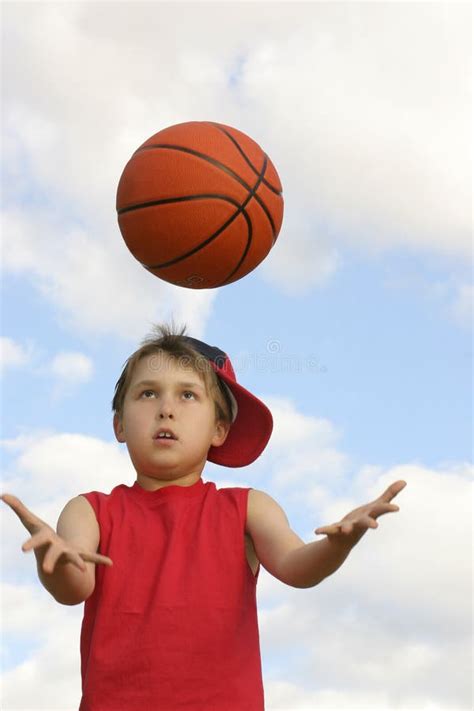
57 550
352 527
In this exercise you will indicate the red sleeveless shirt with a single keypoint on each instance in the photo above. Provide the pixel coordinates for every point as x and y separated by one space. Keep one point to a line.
173 624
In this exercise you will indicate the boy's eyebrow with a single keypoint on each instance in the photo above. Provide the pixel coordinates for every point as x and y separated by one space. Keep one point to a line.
147 383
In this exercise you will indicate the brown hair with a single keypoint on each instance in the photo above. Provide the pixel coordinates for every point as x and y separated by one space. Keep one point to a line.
165 339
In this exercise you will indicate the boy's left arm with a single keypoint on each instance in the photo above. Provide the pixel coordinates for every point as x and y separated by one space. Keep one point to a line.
303 565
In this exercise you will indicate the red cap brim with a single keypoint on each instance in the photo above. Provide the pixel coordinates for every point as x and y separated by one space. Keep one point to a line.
249 434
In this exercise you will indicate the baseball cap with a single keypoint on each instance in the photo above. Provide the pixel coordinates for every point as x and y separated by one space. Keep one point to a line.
252 421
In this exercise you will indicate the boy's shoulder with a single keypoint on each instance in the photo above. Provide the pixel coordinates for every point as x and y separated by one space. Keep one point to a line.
101 499
96 493
263 507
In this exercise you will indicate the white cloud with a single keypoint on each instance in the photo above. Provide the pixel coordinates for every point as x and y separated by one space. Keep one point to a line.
67 464
377 149
72 366
48 677
95 287
284 696
392 616
370 141
13 354
70 370
303 450
305 256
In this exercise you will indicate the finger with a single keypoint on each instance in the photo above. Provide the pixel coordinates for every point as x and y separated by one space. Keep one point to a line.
393 490
51 558
57 555
364 522
97 558
328 530
381 509
77 560
389 508
39 539
26 516
336 529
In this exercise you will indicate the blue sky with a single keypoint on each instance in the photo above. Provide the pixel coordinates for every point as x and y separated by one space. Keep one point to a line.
356 329
380 361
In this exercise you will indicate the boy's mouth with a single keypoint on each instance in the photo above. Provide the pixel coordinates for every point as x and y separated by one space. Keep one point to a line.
164 433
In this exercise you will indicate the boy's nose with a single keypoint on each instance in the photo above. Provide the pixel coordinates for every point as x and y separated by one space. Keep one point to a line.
166 414
165 410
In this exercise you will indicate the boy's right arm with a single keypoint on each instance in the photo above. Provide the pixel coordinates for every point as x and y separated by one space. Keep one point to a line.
66 560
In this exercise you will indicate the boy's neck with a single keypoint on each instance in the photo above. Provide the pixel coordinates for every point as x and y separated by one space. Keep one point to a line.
150 483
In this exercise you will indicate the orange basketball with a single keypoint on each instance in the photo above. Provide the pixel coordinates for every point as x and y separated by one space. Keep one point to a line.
199 204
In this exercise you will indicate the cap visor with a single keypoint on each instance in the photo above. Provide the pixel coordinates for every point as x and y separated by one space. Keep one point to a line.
249 434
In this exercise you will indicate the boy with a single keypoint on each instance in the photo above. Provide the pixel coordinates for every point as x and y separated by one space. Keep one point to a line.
168 567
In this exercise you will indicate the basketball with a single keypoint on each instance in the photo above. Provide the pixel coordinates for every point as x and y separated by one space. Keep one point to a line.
200 204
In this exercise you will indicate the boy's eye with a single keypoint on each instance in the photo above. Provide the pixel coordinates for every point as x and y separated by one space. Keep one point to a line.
187 394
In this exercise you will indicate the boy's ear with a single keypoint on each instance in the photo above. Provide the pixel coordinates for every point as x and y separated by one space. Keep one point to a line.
118 428
220 436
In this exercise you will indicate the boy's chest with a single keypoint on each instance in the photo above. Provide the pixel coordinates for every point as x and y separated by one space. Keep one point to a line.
159 558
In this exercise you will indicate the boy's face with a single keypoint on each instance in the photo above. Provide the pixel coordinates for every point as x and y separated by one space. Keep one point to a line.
165 395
